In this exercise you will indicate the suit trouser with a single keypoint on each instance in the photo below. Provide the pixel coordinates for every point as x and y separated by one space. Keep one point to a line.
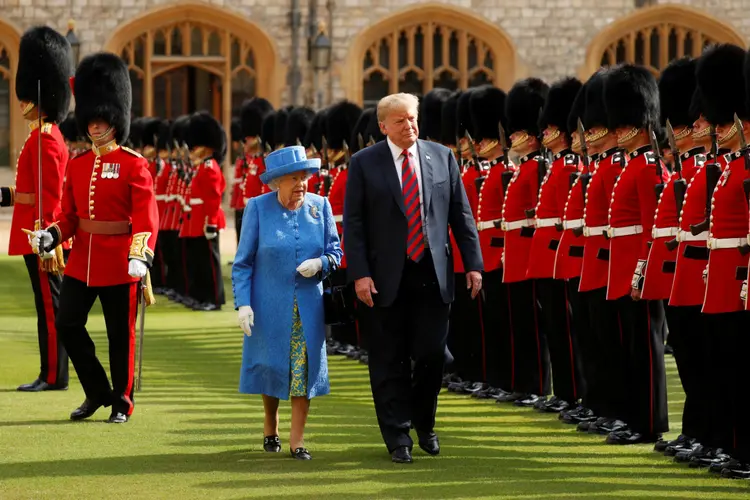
172 246
119 306
345 333
688 334
497 330
738 375
159 266
238 223
413 328
645 375
531 370
560 329
53 358
206 284
586 341
465 332
605 391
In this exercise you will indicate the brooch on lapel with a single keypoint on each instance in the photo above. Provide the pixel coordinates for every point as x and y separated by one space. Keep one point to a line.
314 212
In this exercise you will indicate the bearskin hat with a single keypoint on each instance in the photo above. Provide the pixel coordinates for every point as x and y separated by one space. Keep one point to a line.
178 131
279 126
631 97
135 138
314 136
577 109
558 104
463 114
44 56
69 129
236 129
487 109
595 114
205 130
373 129
676 88
430 109
103 91
150 131
297 124
252 114
267 130
360 129
340 121
449 118
163 135
720 76
525 101
696 103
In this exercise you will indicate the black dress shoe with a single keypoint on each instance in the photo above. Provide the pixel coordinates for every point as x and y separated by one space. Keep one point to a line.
738 471
117 418
629 436
556 406
718 467
577 415
87 409
528 400
707 457
541 402
401 455
272 444
510 397
429 443
685 455
605 426
301 454
682 441
40 385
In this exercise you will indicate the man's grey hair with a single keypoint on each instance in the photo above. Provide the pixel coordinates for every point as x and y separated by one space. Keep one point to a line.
397 102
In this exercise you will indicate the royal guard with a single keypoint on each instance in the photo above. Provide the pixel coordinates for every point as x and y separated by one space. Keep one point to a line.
250 165
558 325
163 167
110 207
313 144
135 137
487 104
531 370
236 138
177 208
69 131
148 141
631 98
43 89
297 125
205 220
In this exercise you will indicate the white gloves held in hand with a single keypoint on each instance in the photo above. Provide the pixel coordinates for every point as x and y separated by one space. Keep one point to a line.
39 241
246 318
310 267
137 268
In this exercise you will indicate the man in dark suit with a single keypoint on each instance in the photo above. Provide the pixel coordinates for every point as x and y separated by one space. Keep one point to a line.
401 196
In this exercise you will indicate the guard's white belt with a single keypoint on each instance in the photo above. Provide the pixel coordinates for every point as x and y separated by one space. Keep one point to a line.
516 224
161 197
616 232
663 232
196 201
548 222
487 224
721 243
594 230
572 224
338 218
688 236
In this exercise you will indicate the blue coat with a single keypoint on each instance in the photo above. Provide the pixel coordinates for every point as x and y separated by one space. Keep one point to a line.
274 242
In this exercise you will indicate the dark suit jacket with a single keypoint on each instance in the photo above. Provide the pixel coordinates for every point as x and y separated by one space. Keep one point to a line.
375 225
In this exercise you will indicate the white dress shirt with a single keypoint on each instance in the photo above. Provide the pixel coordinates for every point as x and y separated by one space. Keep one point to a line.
398 160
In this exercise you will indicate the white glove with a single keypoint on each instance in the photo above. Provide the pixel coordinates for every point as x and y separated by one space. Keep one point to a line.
210 236
310 267
137 268
246 318
743 292
39 241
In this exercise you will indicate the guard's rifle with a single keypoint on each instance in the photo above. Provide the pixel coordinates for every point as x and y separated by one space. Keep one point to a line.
480 178
713 173
585 177
659 188
541 171
325 174
680 184
347 153
360 141
508 172
745 248
371 141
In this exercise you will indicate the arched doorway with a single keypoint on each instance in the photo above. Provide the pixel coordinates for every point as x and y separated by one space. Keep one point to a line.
12 132
427 46
192 56
654 36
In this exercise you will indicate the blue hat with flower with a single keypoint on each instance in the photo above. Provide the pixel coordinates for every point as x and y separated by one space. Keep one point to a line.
286 161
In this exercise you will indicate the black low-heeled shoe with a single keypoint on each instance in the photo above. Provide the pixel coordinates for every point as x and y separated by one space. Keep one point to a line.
301 454
272 444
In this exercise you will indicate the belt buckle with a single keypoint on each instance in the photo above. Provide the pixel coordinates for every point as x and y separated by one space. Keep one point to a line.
610 232
504 226
710 244
679 236
586 231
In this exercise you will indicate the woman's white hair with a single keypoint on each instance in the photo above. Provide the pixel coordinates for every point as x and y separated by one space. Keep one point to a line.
274 184
397 102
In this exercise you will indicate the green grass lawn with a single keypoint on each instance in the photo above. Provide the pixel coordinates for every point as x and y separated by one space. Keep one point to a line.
193 436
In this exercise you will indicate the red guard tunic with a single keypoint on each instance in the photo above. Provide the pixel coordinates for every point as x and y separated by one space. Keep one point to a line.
152 168
161 185
252 186
236 200
595 216
662 262
727 267
23 197
521 196
336 198
115 186
569 256
205 192
553 194
631 218
489 212
468 178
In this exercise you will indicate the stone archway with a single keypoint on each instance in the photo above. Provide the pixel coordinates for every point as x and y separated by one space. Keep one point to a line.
425 46
12 128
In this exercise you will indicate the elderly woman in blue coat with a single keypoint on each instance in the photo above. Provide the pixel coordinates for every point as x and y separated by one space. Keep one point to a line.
289 244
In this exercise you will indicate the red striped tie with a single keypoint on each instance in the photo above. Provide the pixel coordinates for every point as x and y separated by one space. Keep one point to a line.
414 238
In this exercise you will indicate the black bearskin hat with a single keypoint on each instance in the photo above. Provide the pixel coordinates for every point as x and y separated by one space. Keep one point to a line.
135 138
103 91
205 130
631 97
523 104
252 114
696 103
44 56
559 102
267 130
236 129
487 108
595 114
150 131
577 110
373 130
164 135
720 76
340 121
314 136
279 126
360 129
449 119
463 114
429 113
69 129
179 131
676 88
297 124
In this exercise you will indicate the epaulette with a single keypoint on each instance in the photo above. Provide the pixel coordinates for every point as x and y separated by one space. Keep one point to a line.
728 157
650 158
571 159
618 157
700 160
46 128
132 152
208 163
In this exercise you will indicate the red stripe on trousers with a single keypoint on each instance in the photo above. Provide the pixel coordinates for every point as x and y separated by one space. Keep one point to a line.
213 271
570 348
49 319
650 371
538 347
132 313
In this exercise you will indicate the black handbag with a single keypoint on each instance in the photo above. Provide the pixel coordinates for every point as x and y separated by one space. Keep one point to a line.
337 310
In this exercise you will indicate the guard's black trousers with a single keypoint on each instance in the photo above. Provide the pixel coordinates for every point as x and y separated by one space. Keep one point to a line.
560 329
119 306
206 285
159 265
465 333
645 375
53 358
738 375
531 370
173 259
498 343
345 333
585 338
238 223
